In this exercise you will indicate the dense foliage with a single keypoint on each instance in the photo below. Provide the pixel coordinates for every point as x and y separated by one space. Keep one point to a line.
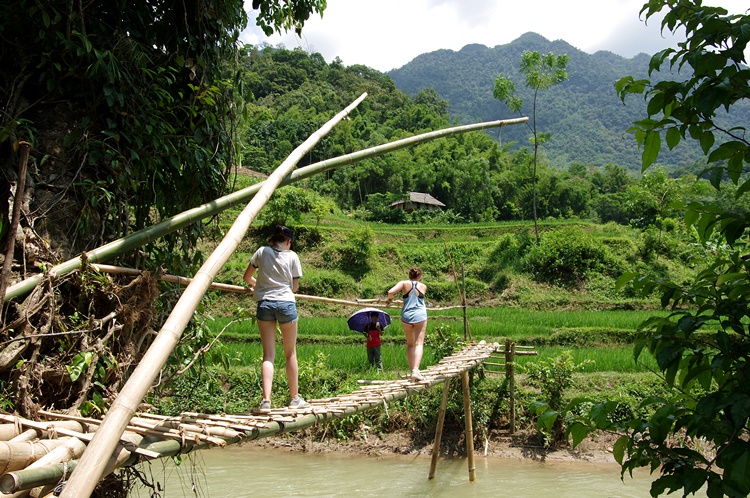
124 104
294 92
698 436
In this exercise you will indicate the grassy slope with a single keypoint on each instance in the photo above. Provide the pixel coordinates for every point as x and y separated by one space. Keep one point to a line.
592 321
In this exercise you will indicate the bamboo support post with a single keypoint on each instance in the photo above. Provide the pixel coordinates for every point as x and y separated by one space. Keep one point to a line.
467 424
439 428
512 387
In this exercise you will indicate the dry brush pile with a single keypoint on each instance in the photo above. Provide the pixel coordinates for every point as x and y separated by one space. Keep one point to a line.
72 342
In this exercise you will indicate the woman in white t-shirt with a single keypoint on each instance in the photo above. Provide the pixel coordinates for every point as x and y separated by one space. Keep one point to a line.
278 273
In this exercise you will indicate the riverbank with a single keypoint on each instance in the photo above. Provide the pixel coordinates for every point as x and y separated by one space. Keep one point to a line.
523 445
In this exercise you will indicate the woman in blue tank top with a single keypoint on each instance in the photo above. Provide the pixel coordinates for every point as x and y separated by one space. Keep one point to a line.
413 318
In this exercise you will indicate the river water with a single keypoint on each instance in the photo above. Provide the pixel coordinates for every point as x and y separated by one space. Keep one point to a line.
247 470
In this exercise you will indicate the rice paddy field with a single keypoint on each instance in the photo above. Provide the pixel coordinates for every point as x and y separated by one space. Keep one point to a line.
345 349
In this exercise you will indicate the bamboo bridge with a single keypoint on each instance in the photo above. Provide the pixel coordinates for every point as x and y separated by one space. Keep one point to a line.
37 456
40 455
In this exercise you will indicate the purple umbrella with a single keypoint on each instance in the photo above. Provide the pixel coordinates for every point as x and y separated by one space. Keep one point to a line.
359 319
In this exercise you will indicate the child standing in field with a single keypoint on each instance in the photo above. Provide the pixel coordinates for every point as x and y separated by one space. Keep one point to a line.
372 332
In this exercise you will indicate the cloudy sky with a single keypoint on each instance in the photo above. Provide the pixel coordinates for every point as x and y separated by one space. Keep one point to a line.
387 34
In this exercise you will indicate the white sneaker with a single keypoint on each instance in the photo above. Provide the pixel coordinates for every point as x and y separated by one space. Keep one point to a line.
415 375
299 403
265 406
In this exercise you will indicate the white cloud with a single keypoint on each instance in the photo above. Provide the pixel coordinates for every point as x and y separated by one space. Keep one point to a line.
387 34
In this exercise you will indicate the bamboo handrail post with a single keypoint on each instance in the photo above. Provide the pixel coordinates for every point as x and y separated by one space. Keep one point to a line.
512 387
467 424
439 428
467 331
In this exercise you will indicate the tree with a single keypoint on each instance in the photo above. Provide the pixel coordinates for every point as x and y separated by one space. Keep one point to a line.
702 347
125 103
542 71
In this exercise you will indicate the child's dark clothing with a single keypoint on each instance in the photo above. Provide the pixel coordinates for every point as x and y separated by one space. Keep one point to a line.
372 330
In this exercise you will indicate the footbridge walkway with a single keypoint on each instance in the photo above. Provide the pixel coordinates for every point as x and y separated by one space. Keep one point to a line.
39 455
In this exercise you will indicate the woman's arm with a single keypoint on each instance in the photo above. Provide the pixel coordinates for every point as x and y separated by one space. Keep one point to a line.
393 290
295 284
248 277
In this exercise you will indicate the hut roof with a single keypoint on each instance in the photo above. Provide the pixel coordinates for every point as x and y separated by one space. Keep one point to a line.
420 198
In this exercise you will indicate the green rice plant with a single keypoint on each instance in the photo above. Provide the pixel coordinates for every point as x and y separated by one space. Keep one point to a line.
613 359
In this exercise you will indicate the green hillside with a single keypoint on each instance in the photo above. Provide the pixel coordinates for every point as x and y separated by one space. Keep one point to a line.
586 118
348 258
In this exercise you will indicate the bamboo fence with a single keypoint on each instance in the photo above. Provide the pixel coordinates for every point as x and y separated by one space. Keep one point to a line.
51 459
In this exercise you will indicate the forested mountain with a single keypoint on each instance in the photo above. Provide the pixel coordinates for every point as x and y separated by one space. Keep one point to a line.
291 93
586 118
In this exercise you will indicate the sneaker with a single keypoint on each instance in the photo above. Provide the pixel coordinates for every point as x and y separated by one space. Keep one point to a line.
415 375
265 406
299 403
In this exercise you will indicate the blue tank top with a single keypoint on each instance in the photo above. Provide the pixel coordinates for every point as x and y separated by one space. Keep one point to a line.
413 310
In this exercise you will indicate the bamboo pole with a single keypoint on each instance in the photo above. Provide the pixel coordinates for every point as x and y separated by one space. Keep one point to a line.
91 467
467 424
512 387
146 235
69 449
85 436
119 270
439 429
10 430
467 331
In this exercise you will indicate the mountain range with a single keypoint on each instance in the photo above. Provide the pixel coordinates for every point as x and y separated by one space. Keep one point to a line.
586 118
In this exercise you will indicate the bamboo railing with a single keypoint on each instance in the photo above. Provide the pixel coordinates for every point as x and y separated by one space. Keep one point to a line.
153 436
241 289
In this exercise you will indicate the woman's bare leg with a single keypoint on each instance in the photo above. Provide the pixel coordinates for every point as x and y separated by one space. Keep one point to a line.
268 341
414 333
289 337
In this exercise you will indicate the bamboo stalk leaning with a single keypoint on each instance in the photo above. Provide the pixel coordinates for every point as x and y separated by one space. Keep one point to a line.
90 469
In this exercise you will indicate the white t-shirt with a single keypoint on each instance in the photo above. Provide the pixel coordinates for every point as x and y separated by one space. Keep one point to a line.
276 273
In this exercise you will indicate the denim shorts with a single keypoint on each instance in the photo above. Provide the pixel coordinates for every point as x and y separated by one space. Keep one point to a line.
279 311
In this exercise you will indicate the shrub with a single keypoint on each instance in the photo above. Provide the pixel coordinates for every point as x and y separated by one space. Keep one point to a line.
566 257
552 377
326 283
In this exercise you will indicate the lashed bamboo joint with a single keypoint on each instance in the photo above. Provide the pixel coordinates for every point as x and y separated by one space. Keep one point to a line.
156 436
